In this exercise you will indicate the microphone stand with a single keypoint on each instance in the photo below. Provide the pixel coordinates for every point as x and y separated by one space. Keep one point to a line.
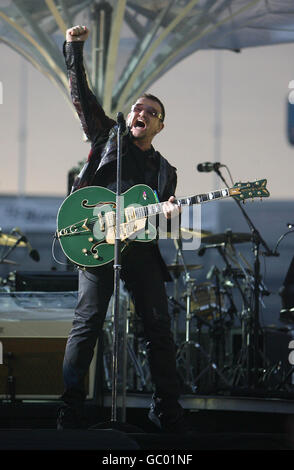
124 427
117 267
116 288
114 424
253 346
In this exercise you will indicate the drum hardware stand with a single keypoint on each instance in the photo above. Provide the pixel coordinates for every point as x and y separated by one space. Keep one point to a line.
137 366
254 329
128 351
246 309
210 365
190 381
177 308
175 316
175 298
232 310
283 383
219 324
244 366
188 370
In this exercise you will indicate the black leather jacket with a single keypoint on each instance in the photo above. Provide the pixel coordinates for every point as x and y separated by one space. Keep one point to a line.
101 130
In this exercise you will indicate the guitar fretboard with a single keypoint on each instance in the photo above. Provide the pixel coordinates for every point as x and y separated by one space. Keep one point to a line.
157 208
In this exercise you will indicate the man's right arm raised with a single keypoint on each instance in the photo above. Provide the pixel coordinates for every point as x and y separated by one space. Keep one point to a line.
92 116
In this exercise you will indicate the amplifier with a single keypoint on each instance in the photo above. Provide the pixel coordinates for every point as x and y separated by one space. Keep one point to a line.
46 281
32 360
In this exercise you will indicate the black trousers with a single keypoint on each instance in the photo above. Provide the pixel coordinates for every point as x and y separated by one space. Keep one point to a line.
143 276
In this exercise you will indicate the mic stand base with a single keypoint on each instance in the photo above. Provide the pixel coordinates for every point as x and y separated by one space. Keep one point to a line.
118 426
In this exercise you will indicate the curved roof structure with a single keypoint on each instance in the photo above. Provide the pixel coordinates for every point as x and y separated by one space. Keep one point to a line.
133 43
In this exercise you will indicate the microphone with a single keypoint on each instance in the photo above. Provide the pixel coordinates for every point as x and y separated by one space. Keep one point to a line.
206 167
121 123
34 254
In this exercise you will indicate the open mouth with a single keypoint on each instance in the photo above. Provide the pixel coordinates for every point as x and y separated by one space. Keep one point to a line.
139 124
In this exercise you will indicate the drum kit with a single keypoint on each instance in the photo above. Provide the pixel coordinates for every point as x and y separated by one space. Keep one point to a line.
209 311
204 315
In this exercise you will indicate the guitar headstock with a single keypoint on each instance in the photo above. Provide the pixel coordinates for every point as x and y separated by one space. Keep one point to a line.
250 190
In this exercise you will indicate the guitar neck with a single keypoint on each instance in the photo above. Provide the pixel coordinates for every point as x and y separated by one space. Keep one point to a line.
157 208
201 198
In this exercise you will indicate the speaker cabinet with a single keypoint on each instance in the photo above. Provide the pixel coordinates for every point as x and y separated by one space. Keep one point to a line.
46 281
32 360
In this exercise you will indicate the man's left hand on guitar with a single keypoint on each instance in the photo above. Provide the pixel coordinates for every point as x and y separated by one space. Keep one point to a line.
170 209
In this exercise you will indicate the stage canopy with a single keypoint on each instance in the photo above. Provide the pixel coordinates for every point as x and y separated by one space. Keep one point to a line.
132 42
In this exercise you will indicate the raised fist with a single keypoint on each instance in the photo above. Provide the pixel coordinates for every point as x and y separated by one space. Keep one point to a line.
77 33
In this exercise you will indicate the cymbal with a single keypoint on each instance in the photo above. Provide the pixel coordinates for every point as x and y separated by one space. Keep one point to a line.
9 240
228 237
180 267
196 233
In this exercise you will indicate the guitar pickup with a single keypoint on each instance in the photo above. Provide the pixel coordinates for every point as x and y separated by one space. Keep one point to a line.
130 214
101 222
110 219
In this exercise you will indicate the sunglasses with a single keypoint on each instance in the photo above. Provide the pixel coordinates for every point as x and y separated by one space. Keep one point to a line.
137 108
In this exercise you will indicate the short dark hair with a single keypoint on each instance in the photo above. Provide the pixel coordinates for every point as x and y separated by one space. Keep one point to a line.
154 98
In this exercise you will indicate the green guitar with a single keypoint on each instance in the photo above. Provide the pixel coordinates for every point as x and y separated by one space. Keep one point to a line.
86 219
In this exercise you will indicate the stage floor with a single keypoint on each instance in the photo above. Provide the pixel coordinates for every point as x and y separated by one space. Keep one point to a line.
219 423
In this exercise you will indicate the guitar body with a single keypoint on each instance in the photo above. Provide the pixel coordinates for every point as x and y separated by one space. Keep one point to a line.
86 223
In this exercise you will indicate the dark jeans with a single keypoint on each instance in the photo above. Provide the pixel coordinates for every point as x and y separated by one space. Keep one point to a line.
143 277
